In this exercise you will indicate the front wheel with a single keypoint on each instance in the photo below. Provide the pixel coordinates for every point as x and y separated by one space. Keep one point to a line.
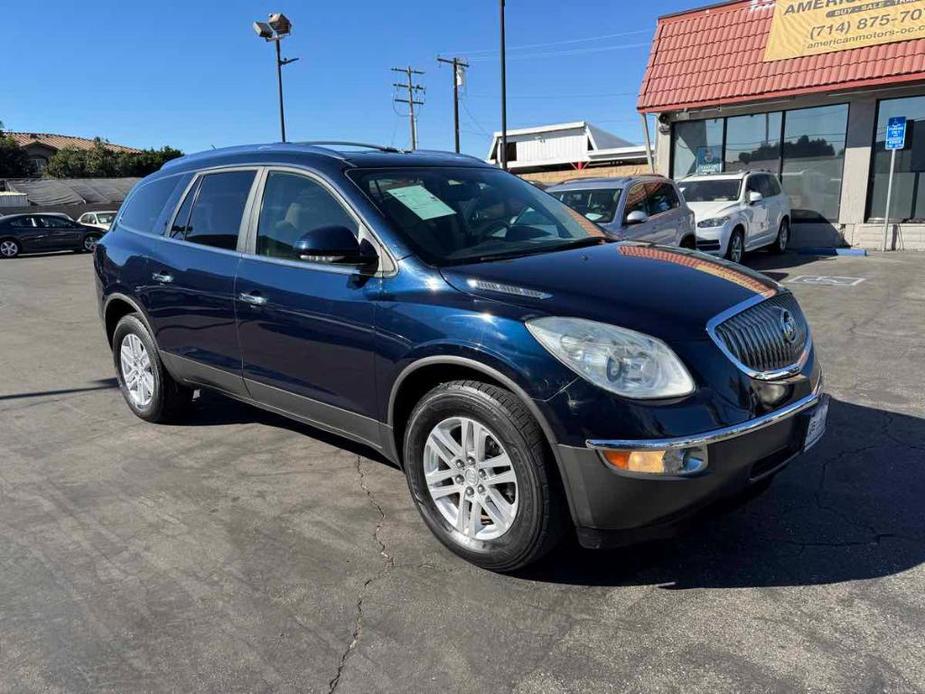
736 249
783 237
151 393
90 241
478 472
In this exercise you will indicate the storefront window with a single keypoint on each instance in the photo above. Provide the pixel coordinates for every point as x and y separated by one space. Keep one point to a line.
814 157
698 147
908 201
804 147
753 142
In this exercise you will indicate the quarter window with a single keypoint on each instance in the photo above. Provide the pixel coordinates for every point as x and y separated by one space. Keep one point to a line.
216 216
146 203
292 206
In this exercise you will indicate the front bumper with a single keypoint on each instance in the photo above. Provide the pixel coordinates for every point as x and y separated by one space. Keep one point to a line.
614 508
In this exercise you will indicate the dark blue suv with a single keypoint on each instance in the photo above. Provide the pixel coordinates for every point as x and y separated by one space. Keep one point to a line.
531 376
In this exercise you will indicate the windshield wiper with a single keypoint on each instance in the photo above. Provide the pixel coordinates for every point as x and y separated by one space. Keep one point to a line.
537 250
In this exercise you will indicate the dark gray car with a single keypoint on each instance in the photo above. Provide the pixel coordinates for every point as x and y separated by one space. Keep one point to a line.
636 208
40 233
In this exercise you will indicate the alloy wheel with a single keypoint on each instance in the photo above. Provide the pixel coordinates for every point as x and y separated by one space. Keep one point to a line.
90 243
137 371
9 249
735 253
470 478
783 238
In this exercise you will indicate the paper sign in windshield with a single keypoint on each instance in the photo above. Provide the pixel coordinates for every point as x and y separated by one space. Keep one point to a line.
422 202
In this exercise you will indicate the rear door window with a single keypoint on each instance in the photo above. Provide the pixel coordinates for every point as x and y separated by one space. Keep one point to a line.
218 208
21 222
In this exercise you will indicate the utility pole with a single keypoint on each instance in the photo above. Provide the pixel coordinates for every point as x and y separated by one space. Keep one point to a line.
503 157
413 90
458 66
276 29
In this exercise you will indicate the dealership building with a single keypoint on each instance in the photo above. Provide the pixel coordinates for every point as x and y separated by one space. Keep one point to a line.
804 89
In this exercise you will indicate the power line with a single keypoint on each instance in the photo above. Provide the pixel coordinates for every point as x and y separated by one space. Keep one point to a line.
574 51
557 96
413 90
560 43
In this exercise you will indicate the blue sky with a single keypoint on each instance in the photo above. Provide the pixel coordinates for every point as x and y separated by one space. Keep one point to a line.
193 74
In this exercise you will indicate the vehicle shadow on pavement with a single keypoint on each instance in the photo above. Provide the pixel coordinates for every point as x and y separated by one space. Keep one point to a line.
214 409
850 509
774 265
100 384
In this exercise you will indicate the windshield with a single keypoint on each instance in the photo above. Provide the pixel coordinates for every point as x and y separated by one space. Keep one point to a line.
104 217
457 215
598 205
723 190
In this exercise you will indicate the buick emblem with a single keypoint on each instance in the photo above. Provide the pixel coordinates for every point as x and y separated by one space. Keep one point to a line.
788 326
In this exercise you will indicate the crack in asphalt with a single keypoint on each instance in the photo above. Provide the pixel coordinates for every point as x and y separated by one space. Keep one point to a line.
387 565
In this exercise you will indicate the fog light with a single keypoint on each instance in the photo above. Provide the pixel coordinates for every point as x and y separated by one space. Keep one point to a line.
673 461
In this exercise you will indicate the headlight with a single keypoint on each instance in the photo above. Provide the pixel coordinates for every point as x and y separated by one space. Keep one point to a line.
712 222
619 360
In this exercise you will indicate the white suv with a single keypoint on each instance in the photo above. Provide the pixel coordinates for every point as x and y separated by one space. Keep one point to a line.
738 212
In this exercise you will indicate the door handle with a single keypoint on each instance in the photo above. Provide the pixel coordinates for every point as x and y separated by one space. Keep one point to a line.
162 277
252 298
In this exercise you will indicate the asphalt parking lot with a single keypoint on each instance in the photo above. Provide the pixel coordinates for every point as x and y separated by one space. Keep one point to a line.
243 552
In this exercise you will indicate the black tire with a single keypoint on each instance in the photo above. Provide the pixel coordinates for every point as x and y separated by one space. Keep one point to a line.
169 398
541 516
737 234
783 238
87 240
12 248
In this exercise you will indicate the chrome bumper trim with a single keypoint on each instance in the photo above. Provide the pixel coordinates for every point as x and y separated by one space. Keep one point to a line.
716 435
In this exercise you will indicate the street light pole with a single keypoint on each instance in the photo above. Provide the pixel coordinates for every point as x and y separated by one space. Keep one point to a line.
279 82
275 29
503 154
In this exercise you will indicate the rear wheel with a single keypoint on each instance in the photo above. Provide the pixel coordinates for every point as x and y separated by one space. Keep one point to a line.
478 472
90 241
736 249
151 393
9 248
783 237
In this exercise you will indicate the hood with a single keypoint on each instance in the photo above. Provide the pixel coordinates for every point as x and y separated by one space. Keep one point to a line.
665 292
706 210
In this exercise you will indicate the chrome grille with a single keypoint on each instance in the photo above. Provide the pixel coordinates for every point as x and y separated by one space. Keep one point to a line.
765 339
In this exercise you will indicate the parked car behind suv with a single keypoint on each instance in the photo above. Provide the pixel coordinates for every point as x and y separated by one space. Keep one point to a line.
100 220
41 233
636 208
529 377
738 212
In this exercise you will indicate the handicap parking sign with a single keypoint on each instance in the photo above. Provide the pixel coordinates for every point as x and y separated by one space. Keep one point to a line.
896 133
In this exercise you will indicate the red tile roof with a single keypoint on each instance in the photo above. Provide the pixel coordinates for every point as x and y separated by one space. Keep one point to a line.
61 141
715 56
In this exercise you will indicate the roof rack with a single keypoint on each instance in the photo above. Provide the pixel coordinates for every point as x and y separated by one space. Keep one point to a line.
323 143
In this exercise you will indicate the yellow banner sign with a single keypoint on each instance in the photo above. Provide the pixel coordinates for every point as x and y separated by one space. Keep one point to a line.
810 27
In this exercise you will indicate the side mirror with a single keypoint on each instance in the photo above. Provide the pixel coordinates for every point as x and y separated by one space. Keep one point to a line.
333 244
636 217
754 196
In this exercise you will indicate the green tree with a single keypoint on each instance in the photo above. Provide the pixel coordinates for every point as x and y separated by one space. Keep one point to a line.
102 162
14 162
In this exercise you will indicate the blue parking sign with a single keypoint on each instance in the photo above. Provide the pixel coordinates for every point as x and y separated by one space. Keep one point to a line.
896 133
